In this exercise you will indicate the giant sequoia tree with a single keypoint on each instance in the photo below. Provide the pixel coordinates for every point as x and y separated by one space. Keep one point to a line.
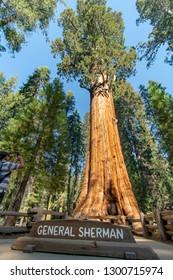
93 50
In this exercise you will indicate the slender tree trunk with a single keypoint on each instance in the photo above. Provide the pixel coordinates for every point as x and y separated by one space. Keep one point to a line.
106 187
10 221
75 186
68 188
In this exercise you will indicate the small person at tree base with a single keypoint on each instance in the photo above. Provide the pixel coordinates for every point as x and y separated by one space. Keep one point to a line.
6 167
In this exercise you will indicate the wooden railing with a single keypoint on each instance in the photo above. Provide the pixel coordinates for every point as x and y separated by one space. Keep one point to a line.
134 224
158 225
26 220
38 214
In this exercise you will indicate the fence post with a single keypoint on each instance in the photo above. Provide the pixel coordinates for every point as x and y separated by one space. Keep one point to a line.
145 231
35 214
39 214
160 225
65 214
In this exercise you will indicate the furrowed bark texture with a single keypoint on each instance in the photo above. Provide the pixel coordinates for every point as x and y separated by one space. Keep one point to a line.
106 188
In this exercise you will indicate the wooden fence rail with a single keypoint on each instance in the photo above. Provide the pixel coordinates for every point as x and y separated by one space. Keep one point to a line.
156 225
38 214
134 224
26 220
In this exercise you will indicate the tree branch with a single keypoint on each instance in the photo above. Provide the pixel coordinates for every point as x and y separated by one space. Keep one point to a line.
5 21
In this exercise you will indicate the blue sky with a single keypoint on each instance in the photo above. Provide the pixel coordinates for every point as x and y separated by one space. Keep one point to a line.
37 53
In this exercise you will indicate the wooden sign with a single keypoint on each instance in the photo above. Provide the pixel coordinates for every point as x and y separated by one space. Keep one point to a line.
83 230
79 237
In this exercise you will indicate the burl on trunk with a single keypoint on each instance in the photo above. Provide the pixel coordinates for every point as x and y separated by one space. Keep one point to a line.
106 188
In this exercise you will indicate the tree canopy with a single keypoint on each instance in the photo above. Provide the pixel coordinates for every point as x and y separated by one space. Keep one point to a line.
160 15
18 18
93 44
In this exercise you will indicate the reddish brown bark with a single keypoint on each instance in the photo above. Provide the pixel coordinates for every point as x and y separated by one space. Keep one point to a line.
106 186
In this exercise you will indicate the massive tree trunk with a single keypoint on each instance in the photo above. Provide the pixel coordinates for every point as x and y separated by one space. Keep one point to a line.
106 188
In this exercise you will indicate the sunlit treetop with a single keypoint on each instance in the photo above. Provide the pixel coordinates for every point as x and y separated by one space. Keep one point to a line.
93 44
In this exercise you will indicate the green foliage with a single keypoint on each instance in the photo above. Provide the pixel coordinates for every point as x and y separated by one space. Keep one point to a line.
42 123
39 131
93 44
76 139
77 151
36 82
149 172
160 15
18 18
8 100
159 106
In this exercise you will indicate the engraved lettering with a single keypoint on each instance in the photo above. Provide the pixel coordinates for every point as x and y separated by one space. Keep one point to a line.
83 232
120 233
93 232
80 232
